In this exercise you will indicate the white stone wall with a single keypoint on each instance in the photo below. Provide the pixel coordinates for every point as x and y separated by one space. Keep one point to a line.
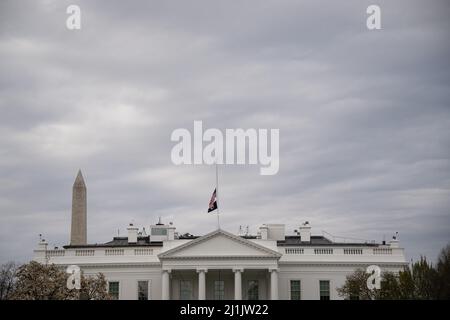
128 278
130 264
312 274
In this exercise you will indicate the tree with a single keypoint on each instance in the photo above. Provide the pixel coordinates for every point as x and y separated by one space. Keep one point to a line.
7 280
355 287
389 287
421 281
417 282
424 277
443 274
394 286
94 287
37 281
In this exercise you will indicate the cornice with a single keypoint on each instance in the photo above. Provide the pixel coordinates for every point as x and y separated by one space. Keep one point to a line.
114 265
341 264
166 255
219 258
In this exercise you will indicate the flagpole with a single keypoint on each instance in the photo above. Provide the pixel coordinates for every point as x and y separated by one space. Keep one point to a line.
217 195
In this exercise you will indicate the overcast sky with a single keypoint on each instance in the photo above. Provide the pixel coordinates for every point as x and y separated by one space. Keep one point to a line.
364 117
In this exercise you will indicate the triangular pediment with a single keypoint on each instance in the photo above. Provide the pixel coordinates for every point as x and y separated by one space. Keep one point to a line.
219 243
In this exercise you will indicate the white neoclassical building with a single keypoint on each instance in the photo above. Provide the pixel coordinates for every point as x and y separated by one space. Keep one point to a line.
219 265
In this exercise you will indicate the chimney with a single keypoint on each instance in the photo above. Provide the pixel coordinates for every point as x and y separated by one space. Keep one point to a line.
171 232
132 233
394 242
42 245
305 232
264 232
40 253
78 234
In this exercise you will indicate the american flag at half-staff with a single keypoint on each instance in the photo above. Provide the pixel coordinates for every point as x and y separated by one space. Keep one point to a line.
213 202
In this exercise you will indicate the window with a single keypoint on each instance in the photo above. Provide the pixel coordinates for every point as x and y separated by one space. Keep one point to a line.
159 232
185 290
113 289
324 289
295 290
219 290
142 290
253 290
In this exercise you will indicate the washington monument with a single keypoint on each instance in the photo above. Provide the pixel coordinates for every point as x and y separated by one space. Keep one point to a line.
78 234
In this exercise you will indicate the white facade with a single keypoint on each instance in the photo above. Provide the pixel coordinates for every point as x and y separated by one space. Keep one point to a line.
221 265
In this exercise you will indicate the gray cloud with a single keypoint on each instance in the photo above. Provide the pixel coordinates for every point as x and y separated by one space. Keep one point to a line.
363 116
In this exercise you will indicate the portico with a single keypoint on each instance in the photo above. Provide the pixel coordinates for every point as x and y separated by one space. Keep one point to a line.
220 265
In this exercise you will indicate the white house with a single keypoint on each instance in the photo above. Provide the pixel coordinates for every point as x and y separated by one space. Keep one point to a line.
218 265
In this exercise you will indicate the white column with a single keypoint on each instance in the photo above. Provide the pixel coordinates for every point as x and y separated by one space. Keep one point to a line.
202 284
238 283
273 284
165 285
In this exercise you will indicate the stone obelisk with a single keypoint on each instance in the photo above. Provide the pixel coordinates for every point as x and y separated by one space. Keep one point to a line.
78 234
